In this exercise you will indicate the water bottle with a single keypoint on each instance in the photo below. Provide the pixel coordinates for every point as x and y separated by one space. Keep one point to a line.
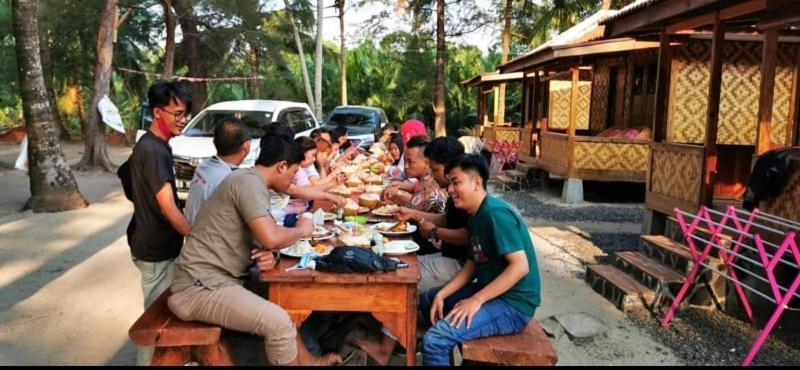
378 248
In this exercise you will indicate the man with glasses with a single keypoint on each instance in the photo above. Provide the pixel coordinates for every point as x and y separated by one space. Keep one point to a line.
156 231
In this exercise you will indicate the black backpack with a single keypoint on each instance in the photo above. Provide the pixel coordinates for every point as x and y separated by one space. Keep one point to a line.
348 260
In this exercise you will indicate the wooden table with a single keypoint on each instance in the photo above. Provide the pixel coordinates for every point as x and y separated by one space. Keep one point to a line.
390 297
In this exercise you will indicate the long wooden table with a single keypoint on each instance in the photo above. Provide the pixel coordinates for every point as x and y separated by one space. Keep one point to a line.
390 297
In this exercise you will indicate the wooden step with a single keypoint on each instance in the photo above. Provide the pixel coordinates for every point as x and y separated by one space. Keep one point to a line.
645 270
622 290
514 173
675 255
674 232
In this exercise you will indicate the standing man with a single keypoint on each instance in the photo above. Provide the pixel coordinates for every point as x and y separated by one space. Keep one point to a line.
233 145
498 289
156 231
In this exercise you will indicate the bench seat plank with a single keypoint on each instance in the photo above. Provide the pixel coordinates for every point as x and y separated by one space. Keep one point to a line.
530 347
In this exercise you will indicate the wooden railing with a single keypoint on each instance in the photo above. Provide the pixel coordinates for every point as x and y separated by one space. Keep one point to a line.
675 177
555 153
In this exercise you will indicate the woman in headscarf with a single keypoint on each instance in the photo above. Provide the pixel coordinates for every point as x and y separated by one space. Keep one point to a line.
411 128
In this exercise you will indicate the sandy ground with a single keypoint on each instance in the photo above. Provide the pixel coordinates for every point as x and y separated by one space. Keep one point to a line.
69 293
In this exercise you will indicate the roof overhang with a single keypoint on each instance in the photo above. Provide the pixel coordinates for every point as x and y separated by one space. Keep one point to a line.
491 79
584 49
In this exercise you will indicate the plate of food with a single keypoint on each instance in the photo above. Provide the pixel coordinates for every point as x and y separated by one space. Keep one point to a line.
301 247
329 216
320 233
394 228
387 210
400 247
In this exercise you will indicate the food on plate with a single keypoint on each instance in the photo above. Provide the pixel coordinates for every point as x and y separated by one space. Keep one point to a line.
342 190
354 182
351 208
319 232
320 248
369 200
397 227
372 179
376 189
359 236
386 210
328 216
349 170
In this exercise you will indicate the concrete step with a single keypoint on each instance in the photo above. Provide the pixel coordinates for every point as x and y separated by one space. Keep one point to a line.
649 272
622 290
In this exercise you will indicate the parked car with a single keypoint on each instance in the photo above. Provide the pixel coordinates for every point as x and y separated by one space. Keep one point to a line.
364 124
196 142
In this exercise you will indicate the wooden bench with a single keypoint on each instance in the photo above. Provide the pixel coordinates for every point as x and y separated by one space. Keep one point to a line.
178 342
530 347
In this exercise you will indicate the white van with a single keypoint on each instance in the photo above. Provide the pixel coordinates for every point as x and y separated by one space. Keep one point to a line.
196 141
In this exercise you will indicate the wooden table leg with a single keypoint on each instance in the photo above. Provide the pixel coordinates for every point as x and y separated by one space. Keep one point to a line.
411 326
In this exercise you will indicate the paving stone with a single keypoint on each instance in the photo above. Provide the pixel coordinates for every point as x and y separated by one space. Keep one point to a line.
551 327
581 327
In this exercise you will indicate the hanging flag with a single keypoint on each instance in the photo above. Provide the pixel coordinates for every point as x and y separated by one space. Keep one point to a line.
22 158
110 114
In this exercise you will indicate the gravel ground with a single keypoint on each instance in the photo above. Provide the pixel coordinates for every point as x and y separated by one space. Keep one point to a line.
591 234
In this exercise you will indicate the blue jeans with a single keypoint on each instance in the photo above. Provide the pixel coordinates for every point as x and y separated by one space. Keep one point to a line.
495 317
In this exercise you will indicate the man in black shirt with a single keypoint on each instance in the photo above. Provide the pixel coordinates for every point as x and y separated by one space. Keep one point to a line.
445 231
156 231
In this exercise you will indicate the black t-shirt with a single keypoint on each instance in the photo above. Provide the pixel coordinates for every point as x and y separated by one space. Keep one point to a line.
150 235
455 218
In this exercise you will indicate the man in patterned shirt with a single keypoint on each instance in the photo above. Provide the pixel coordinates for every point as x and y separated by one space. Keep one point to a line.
425 195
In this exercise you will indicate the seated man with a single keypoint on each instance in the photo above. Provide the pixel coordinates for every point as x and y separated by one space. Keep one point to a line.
207 282
425 195
498 289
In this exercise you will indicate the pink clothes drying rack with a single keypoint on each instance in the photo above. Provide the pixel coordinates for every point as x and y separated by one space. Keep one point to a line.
743 230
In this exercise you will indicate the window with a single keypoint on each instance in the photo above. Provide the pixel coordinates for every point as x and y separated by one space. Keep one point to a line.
205 123
299 120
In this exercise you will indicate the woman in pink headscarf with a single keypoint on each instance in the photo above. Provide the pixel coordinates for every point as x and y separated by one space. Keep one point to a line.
411 128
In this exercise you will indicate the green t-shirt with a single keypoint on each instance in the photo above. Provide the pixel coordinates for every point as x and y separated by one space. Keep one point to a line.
496 230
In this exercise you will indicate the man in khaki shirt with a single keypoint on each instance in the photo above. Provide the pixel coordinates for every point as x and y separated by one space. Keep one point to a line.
207 280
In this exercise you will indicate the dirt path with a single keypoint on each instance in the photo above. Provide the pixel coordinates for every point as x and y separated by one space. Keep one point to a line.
68 291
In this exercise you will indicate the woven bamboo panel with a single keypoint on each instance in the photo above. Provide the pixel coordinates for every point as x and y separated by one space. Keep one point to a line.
786 205
584 102
784 76
507 134
555 150
560 96
600 84
676 174
741 80
611 156
688 101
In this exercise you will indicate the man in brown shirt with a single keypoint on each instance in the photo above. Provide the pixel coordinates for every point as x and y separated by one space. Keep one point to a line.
207 283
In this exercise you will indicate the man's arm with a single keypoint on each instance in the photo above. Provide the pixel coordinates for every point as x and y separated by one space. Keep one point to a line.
406 214
454 236
271 236
166 202
462 278
311 193
465 309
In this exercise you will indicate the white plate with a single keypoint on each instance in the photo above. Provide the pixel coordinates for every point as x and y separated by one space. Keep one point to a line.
381 214
376 227
327 236
288 252
400 247
330 216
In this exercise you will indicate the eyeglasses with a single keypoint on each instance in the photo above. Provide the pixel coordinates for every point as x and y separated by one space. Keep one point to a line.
177 116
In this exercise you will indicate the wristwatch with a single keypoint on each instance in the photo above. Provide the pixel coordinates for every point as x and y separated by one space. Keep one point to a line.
434 237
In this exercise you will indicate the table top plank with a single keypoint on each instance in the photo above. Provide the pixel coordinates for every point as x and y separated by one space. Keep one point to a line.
408 275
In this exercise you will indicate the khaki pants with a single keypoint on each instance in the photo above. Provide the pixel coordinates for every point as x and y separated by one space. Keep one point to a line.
156 278
436 270
234 307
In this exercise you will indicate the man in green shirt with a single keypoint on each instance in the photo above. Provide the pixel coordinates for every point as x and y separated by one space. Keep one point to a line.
498 289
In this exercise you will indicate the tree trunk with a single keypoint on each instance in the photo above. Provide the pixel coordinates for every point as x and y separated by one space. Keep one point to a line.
79 102
191 39
342 52
255 85
95 155
501 93
47 67
439 108
318 61
52 183
301 54
169 49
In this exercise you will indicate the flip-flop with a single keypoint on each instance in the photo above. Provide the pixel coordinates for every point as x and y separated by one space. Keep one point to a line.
347 358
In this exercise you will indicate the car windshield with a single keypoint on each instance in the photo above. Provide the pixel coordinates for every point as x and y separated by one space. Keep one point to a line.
352 119
204 125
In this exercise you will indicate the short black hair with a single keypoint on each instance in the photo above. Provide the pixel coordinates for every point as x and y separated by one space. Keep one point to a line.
474 163
419 141
306 143
229 135
316 133
444 150
164 92
279 128
278 148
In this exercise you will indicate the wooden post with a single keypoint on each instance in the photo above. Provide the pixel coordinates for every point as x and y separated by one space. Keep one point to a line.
535 100
794 119
479 105
766 95
662 88
496 105
573 102
526 103
712 119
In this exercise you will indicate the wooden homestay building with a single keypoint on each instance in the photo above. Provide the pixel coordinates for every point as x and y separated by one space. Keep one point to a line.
727 76
591 101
